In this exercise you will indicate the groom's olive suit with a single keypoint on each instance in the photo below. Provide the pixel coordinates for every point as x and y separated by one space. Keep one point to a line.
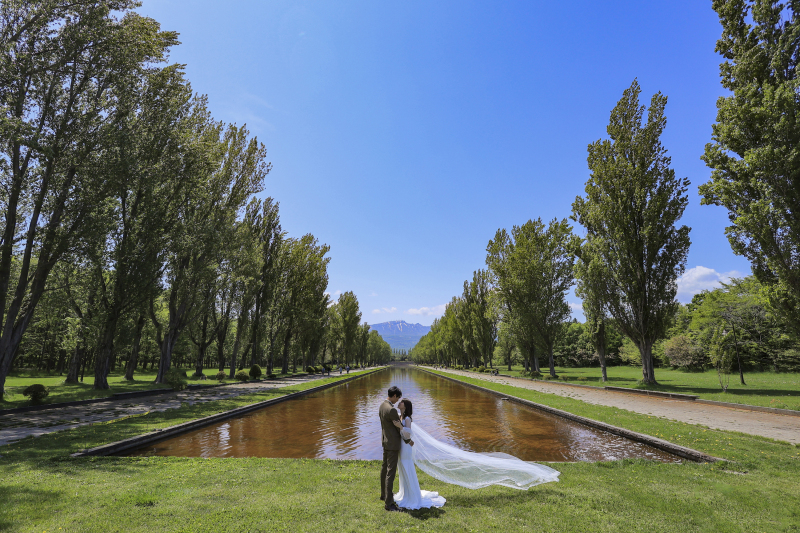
391 450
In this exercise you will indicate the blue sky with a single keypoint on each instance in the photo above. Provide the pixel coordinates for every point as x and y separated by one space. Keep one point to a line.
405 133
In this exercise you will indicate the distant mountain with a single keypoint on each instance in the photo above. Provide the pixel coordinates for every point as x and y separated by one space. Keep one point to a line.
400 334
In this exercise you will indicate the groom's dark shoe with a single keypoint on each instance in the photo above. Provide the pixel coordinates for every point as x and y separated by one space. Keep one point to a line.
392 507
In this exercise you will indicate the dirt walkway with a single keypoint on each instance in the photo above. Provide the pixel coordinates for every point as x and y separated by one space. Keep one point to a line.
774 426
14 427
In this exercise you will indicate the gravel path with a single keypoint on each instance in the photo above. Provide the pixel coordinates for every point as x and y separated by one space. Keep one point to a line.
774 426
14 427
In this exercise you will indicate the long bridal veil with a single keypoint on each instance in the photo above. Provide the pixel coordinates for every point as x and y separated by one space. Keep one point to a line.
475 470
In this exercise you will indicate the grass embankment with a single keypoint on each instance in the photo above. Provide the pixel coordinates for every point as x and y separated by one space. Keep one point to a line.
16 382
43 489
766 389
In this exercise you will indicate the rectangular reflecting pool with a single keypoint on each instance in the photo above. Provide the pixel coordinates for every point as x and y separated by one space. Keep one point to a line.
342 423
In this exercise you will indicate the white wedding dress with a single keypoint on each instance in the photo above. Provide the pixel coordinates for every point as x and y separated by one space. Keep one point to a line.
459 467
410 495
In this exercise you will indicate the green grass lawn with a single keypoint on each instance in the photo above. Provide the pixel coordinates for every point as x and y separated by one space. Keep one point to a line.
766 389
44 490
62 392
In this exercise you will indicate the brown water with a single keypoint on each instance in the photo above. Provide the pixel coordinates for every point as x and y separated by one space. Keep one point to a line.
342 423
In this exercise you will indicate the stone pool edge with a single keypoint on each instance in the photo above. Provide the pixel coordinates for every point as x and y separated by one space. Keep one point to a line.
680 451
173 431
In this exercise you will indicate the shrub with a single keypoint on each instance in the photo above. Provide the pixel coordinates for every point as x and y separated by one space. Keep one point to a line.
271 376
536 375
683 352
36 392
241 375
310 369
255 372
629 353
220 376
175 378
481 369
583 378
548 376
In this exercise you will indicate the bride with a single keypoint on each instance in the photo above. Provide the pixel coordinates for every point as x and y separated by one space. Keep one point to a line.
410 495
453 465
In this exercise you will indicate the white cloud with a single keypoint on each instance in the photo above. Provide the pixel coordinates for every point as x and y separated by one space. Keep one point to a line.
376 311
373 293
436 310
335 294
384 310
700 278
576 307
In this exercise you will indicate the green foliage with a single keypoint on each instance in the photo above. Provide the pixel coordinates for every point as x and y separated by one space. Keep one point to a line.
311 370
683 351
36 392
755 150
241 375
220 376
629 353
255 372
175 379
633 252
533 271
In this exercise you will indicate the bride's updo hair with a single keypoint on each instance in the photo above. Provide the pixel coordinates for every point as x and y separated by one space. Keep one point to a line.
409 408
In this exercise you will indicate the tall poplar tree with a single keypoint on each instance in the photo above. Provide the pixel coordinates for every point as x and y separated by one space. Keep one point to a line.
63 65
755 153
633 201
533 272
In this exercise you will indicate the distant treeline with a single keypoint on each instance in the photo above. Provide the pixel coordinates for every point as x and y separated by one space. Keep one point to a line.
633 251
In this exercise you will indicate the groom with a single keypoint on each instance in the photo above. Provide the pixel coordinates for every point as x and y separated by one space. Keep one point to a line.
390 431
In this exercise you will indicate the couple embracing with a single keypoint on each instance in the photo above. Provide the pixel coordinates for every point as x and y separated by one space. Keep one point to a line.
398 453
406 445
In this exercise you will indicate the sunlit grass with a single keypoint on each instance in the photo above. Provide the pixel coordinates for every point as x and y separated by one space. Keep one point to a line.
766 389
44 490
63 392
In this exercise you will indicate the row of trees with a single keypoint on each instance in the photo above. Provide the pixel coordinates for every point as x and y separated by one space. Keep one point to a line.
625 268
131 228
627 265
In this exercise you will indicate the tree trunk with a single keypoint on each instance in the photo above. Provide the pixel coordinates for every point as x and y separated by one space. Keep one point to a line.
738 358
62 356
286 339
601 348
534 358
75 361
137 339
236 348
552 361
201 346
105 349
648 372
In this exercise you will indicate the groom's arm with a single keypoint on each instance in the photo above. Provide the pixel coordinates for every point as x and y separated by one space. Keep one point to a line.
395 418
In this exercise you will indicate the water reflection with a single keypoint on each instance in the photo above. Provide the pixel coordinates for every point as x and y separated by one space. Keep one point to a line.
342 423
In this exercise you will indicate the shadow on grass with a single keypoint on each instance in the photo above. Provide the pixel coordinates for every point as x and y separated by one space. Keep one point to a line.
63 443
37 502
426 514
538 494
687 389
